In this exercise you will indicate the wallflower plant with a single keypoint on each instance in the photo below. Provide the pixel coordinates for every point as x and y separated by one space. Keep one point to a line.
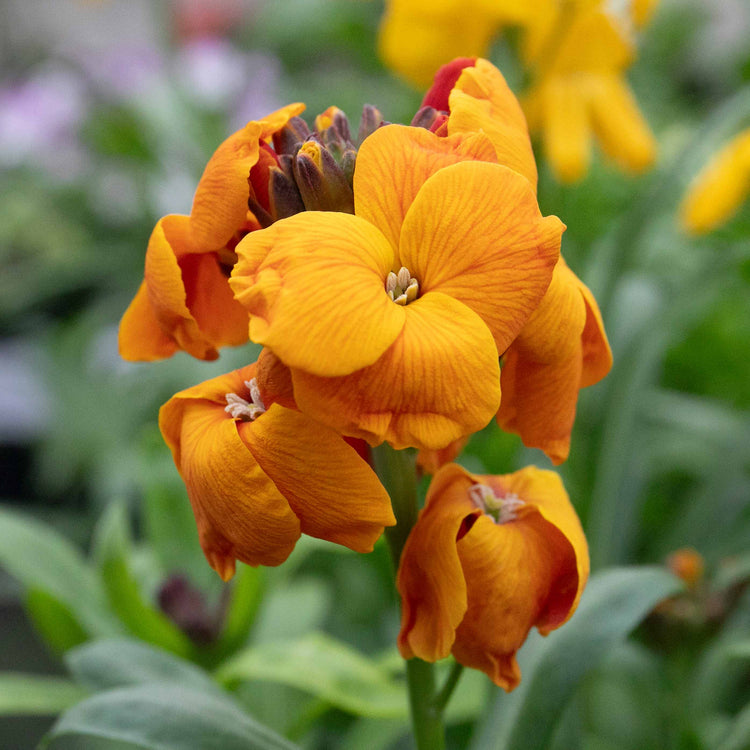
407 291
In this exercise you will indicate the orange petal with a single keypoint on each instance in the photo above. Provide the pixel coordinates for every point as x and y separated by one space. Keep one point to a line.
539 401
140 338
393 164
314 285
239 511
333 492
430 579
482 101
438 382
553 331
430 461
169 241
220 202
597 355
496 255
275 380
221 319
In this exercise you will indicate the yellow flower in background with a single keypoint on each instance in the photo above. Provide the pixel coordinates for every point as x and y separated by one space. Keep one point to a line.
576 54
418 36
489 558
579 91
719 189
258 475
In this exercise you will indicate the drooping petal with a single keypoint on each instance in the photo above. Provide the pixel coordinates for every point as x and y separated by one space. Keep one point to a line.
436 383
333 492
140 337
622 130
220 202
275 380
566 126
539 401
430 579
221 319
496 255
239 511
394 163
597 355
482 101
314 285
166 289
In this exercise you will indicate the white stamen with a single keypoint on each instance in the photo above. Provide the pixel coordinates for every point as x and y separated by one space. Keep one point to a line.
401 287
390 283
240 408
501 509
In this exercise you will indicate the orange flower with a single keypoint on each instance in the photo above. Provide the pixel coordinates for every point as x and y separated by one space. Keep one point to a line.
184 301
561 349
258 477
489 558
391 320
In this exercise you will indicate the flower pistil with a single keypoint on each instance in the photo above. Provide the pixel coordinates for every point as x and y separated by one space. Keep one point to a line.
501 508
402 287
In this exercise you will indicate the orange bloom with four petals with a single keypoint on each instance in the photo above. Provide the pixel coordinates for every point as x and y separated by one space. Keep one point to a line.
489 558
391 320
259 477
184 301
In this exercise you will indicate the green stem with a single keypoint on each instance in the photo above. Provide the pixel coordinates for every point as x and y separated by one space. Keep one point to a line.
442 698
397 472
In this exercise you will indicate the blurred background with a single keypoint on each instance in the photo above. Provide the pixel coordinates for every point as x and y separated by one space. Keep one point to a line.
108 113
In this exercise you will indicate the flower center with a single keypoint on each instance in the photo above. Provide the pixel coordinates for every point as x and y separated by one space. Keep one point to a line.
502 509
402 287
243 409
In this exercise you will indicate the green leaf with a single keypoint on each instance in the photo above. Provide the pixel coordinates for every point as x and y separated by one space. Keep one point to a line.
327 668
247 594
42 559
739 732
37 695
163 717
614 602
112 550
120 662
53 621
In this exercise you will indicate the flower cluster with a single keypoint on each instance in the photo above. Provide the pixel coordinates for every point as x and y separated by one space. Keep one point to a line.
400 281
575 54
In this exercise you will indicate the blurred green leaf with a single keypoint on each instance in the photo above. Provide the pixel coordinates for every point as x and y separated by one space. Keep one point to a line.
739 732
614 602
112 552
162 717
247 594
120 662
36 694
324 667
42 559
54 621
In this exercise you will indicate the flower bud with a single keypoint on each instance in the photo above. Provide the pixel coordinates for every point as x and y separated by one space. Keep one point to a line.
284 195
321 182
288 139
371 120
